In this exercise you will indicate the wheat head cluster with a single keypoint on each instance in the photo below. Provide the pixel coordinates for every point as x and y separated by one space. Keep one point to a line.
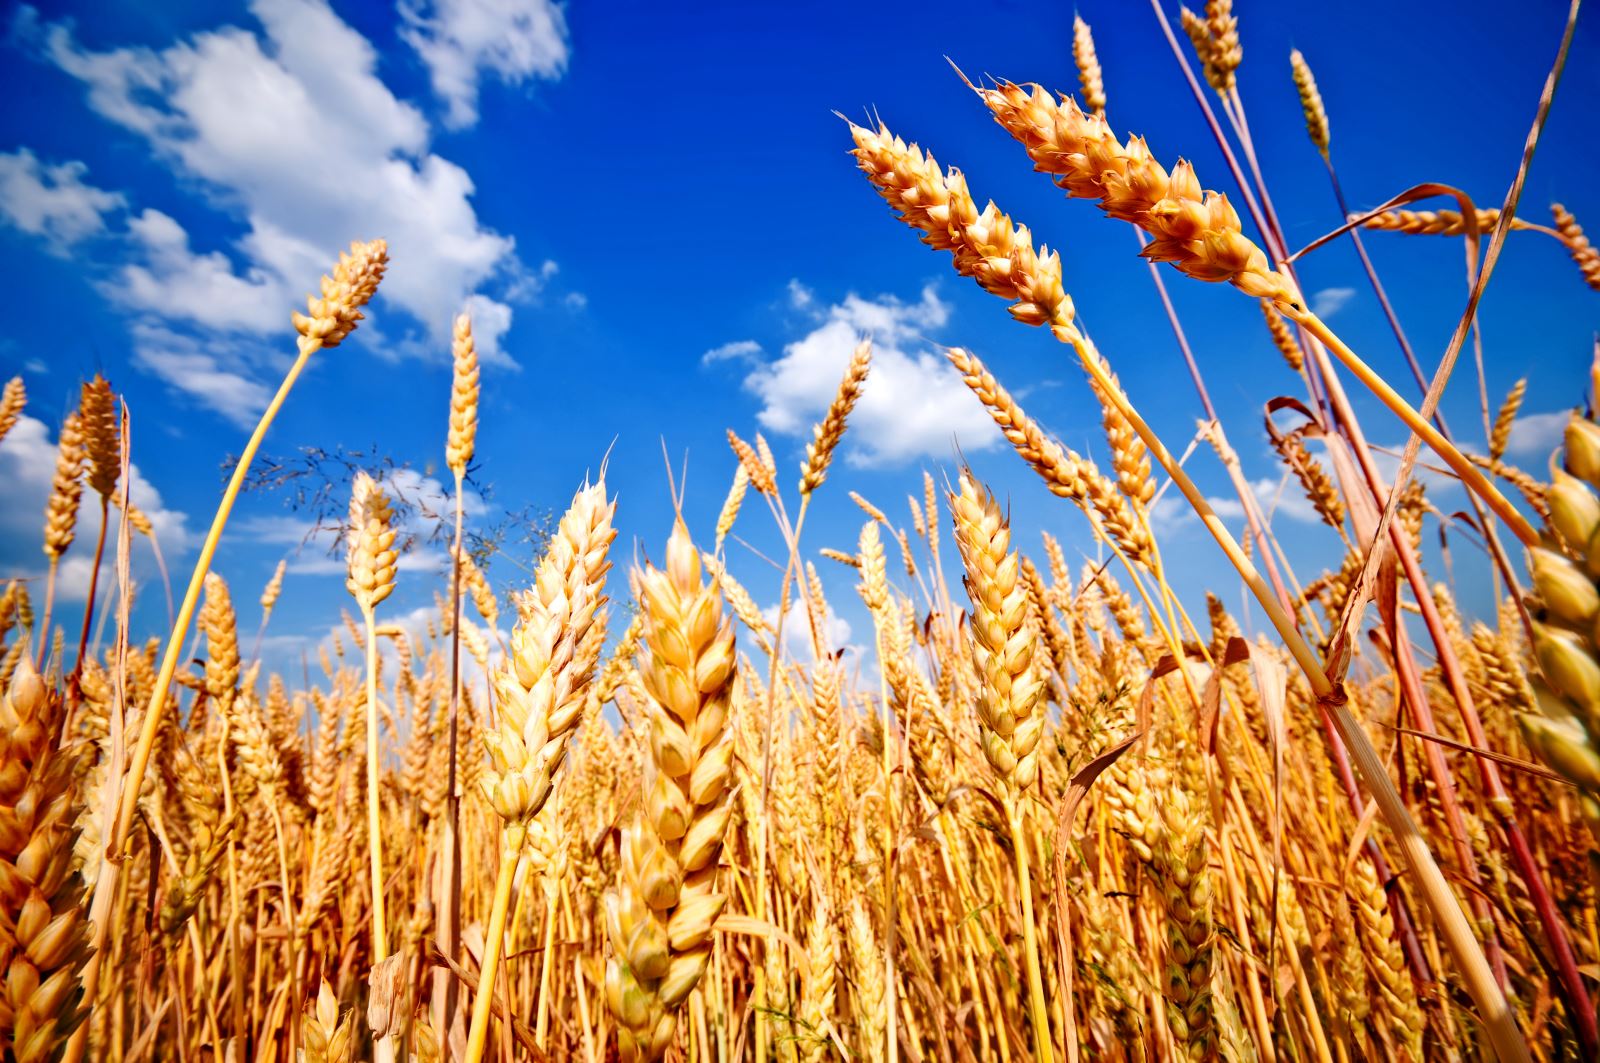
1051 811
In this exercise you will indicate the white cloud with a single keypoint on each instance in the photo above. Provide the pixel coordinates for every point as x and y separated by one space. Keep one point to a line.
740 350
458 39
834 636
52 201
913 403
1330 301
1535 436
27 466
174 282
291 130
1280 498
196 370
800 296
491 320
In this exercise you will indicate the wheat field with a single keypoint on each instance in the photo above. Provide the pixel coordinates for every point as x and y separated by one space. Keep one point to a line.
1055 812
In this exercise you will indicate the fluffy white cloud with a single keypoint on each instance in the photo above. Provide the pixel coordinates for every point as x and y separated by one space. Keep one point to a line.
1330 301
1280 498
173 282
291 129
834 636
458 39
27 466
52 201
913 403
200 372
1535 436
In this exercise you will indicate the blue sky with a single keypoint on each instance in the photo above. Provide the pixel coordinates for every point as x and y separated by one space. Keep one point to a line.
651 212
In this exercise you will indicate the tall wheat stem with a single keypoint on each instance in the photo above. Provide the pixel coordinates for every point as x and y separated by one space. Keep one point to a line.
512 839
1044 1051
446 994
1468 472
380 928
118 837
1457 932
49 607
94 583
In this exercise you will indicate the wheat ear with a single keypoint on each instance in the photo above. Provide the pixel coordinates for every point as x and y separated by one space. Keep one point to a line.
827 433
1087 60
41 894
1305 83
1578 246
1010 663
659 914
541 692
12 401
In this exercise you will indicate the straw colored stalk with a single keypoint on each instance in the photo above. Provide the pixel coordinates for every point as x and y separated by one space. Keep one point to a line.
541 691
460 445
1061 139
371 558
328 320
659 914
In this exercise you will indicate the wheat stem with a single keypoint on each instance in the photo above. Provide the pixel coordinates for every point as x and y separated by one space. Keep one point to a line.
512 837
1458 462
1457 932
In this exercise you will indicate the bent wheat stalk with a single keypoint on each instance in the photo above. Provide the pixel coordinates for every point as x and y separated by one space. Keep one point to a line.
331 319
1201 236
